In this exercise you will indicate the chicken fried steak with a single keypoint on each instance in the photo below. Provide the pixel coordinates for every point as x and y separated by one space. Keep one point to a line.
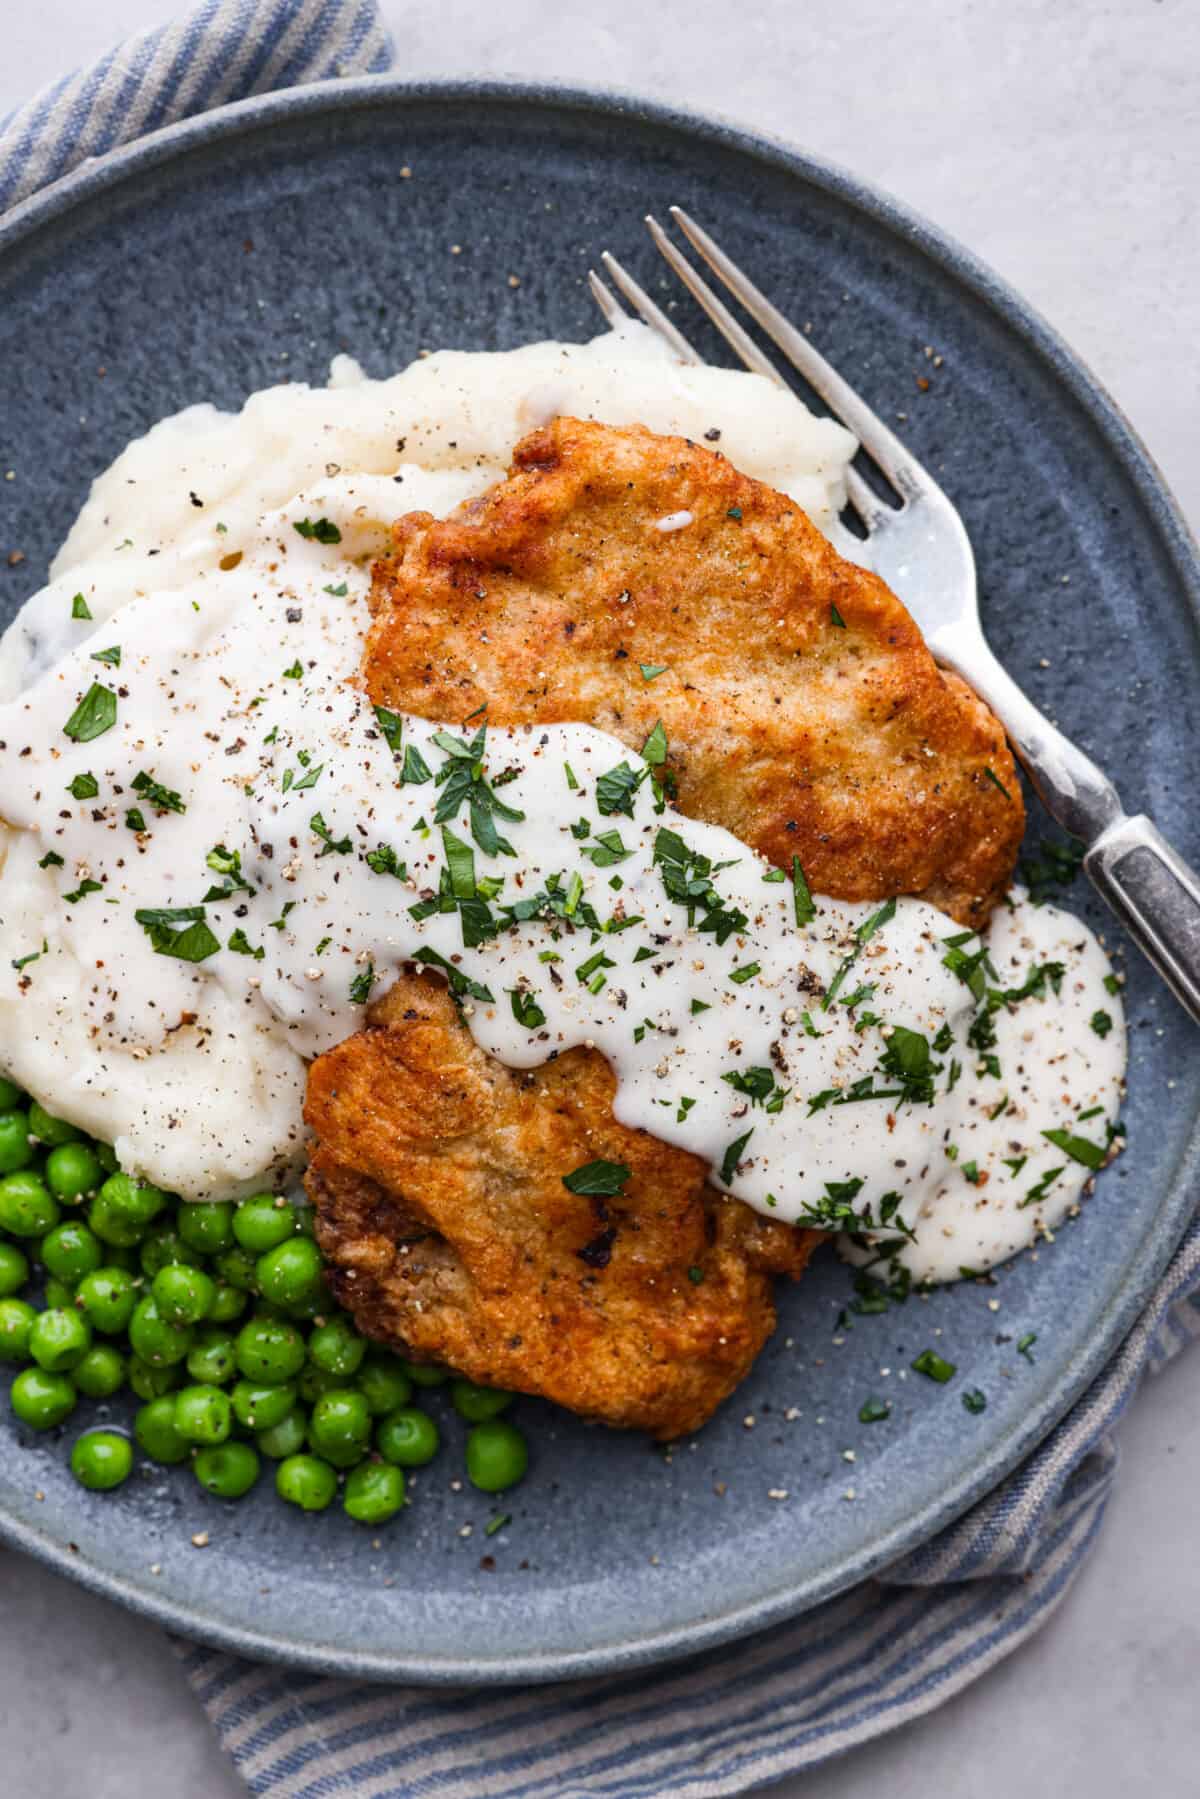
441 1209
803 712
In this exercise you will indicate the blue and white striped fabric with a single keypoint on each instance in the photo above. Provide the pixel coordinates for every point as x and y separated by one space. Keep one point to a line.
790 1697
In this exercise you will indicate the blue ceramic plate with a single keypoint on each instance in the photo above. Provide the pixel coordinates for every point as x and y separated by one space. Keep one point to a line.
247 247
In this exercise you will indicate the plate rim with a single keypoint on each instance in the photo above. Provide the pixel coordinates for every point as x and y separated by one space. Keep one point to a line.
97 177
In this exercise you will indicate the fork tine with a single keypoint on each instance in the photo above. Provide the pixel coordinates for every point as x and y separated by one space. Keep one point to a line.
718 312
882 444
614 313
651 314
865 501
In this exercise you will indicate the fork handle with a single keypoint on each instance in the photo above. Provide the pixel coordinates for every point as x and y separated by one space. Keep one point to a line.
1148 885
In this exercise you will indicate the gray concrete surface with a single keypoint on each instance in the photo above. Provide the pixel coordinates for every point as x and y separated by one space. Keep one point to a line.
1062 143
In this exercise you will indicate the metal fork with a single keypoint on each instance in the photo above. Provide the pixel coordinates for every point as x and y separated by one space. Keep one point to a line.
921 549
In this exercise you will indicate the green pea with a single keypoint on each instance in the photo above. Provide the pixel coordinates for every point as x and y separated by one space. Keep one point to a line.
340 1427
163 1247
236 1269
408 1437
70 1251
50 1131
383 1384
11 1095
316 1304
269 1350
497 1456
476 1404
183 1295
336 1347
153 1339
42 1400
14 1269
260 1407
286 1437
101 1460
59 1339
314 1382
136 1201
100 1372
228 1470
17 1319
288 1273
424 1374
374 1493
203 1414
228 1303
111 1224
305 1481
151 1383
73 1170
16 1151
206 1225
261 1223
106 1299
154 1428
27 1206
213 1357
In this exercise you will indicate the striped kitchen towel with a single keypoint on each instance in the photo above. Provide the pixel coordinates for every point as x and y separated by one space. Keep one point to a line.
781 1701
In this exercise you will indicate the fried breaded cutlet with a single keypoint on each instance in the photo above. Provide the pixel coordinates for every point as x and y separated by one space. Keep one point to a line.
442 1213
802 707
804 713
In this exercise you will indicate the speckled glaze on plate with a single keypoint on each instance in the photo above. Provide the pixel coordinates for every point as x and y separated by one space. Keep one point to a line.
247 247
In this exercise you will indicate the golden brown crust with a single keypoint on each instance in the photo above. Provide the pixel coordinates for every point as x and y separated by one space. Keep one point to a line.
843 745
443 1215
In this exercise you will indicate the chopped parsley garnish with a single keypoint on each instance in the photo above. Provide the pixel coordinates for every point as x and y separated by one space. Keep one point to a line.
908 1059
687 878
111 656
361 985
810 1029
80 607
51 859
383 861
1025 1344
863 936
569 772
1014 1164
340 846
95 714
280 923
416 771
835 617
700 1005
82 891
685 1106
990 774
194 943
972 970
652 670
601 1179
460 860
834 1211
802 899
934 1366
295 672
391 726
163 799
525 1009
758 1084
1054 865
734 512
974 1400
1112 984
615 790
322 530
607 849
733 1155
20 962
1092 1155
1101 1022
84 787
696 1275
339 592
1043 1186
497 1523
242 946
874 1411
746 973
654 750
459 984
